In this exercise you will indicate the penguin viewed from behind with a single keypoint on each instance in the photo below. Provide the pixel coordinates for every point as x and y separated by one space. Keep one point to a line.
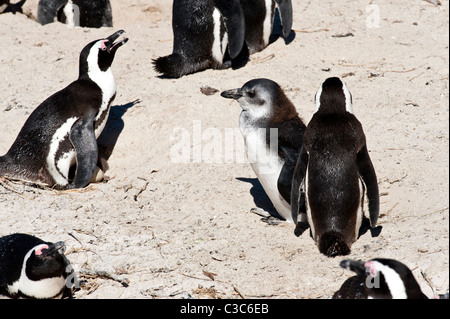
273 135
33 268
82 13
334 169
62 131
379 279
219 34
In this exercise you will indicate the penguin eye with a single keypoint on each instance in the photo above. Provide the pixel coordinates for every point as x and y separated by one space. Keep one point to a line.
251 94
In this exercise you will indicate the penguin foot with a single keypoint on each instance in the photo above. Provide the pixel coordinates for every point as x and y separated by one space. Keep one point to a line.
300 228
267 217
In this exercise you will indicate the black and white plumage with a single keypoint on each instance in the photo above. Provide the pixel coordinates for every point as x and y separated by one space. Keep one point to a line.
33 268
76 13
219 34
273 135
62 131
335 171
379 278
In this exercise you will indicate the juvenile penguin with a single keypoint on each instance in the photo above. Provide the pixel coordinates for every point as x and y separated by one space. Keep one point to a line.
7 6
62 131
82 13
273 135
379 279
220 34
33 268
335 171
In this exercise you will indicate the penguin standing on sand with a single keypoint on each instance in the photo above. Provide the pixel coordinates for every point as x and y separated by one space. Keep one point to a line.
62 131
273 134
335 171
220 34
379 279
76 13
33 268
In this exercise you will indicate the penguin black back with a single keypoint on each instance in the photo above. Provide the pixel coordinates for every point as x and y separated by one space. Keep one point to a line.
333 161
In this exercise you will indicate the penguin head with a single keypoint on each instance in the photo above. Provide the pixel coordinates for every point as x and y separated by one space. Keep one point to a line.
45 261
263 99
98 55
333 96
385 279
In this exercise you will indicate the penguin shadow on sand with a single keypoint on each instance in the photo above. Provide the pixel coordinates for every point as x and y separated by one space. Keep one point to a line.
262 201
110 135
260 198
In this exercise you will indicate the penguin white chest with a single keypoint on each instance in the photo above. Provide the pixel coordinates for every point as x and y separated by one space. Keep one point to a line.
267 166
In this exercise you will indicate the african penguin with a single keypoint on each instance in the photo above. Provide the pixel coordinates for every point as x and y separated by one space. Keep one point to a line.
379 279
7 6
82 13
62 131
335 171
219 34
259 21
33 268
273 135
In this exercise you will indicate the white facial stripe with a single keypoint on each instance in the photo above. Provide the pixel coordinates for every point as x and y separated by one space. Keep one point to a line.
46 288
348 98
219 45
318 94
268 22
59 136
393 280
104 79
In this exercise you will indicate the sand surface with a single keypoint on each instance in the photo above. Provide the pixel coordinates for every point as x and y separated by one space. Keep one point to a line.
178 230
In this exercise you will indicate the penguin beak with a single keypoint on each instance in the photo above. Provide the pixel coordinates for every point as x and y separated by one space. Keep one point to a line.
57 248
109 41
235 94
355 266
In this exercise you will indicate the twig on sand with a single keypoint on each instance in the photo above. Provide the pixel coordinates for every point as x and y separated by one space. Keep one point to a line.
311 31
104 274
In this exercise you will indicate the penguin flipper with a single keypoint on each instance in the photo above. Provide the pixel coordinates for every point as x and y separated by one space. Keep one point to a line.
234 19
297 182
285 10
368 175
285 179
48 10
82 136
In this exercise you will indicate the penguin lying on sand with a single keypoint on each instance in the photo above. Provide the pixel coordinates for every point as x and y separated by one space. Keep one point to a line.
220 34
379 279
33 268
62 131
